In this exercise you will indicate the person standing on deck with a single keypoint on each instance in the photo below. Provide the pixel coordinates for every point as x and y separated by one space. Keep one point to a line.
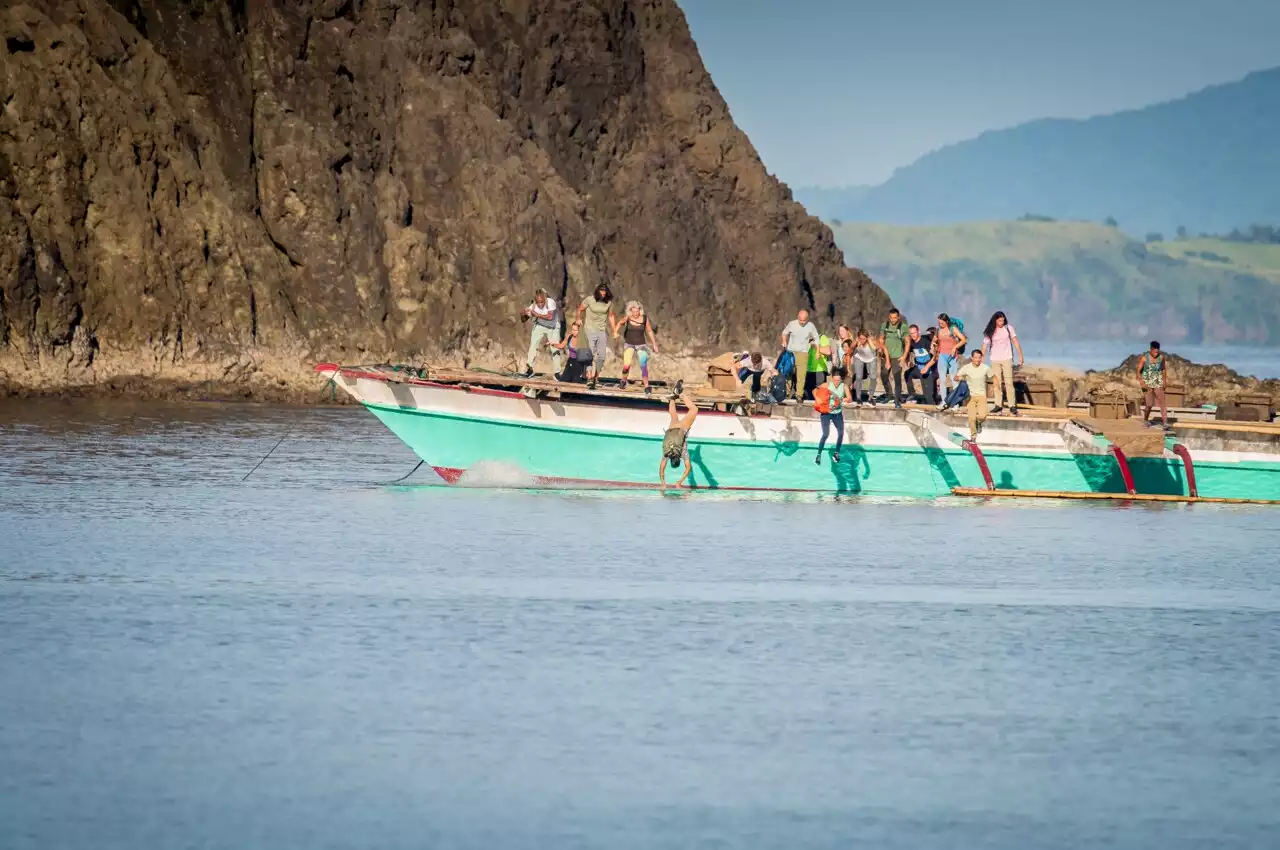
951 341
819 360
999 342
924 360
837 394
546 330
975 374
675 442
596 314
1152 374
893 345
638 342
798 337
865 357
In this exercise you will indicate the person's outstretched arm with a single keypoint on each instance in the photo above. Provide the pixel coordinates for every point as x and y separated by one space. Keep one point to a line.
662 472
1017 346
1142 361
688 467
653 338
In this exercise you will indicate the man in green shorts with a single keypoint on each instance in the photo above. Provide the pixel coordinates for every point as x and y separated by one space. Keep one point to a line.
675 442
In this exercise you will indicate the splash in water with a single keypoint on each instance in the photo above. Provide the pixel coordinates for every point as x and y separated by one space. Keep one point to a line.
493 473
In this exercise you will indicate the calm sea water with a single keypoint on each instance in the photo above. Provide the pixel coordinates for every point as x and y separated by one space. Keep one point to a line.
314 659
1258 361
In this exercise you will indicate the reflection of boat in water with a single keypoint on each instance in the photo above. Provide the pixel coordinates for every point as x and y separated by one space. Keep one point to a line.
569 435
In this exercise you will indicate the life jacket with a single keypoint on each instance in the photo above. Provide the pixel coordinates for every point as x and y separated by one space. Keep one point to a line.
822 399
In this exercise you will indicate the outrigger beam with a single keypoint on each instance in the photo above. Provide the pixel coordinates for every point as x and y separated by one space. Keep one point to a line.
1181 451
972 448
1125 473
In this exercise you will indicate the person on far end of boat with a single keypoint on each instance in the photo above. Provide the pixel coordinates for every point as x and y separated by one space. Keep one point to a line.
975 374
1152 374
546 329
675 442
798 337
638 342
999 343
831 412
893 345
596 314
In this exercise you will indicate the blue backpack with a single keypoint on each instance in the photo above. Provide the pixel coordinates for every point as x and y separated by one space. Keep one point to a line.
786 364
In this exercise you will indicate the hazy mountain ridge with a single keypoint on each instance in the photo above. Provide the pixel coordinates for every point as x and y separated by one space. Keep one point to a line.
1209 162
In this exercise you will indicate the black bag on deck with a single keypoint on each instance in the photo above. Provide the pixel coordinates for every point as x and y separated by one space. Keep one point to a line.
777 392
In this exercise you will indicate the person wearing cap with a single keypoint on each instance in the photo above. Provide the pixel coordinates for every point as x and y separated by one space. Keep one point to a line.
546 330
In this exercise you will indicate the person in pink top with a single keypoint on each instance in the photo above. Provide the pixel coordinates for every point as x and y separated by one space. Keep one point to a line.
999 344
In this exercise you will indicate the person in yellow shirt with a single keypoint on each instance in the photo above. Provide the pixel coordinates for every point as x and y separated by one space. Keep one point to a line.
975 374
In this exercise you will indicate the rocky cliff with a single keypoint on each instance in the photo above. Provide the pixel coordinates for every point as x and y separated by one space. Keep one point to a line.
206 191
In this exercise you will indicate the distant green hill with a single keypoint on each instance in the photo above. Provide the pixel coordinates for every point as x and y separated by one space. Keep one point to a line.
1209 162
1074 280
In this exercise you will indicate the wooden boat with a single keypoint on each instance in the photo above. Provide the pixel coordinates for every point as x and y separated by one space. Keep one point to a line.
566 434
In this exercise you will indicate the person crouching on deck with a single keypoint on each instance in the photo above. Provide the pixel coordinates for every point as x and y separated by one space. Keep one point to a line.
638 342
675 442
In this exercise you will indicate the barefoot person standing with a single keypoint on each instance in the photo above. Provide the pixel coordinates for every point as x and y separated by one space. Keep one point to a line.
1151 377
675 442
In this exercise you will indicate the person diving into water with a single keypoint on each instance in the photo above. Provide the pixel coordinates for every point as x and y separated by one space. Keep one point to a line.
675 449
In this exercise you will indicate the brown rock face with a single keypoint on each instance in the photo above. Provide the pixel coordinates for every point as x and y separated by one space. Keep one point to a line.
208 191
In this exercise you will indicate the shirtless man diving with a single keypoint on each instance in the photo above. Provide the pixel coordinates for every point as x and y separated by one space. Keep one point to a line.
675 449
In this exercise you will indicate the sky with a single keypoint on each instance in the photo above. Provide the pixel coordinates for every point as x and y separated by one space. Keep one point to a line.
842 92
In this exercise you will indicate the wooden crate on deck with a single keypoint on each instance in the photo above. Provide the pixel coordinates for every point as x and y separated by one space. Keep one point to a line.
1108 407
1036 392
1256 402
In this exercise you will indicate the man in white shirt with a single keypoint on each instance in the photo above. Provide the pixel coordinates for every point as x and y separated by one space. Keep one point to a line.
546 329
797 337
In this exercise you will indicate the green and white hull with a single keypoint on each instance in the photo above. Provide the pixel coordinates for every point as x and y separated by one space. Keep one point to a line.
606 443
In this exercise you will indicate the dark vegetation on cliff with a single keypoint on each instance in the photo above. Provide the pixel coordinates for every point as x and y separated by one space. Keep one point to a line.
200 190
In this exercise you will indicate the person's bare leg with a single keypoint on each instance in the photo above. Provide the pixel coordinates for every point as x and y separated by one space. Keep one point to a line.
675 414
687 422
1164 410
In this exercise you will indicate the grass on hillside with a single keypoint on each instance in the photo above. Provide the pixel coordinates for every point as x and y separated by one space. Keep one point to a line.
1257 258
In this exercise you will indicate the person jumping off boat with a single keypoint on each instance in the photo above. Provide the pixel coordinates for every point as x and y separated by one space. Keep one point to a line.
546 330
596 314
1151 377
675 442
975 374
638 342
